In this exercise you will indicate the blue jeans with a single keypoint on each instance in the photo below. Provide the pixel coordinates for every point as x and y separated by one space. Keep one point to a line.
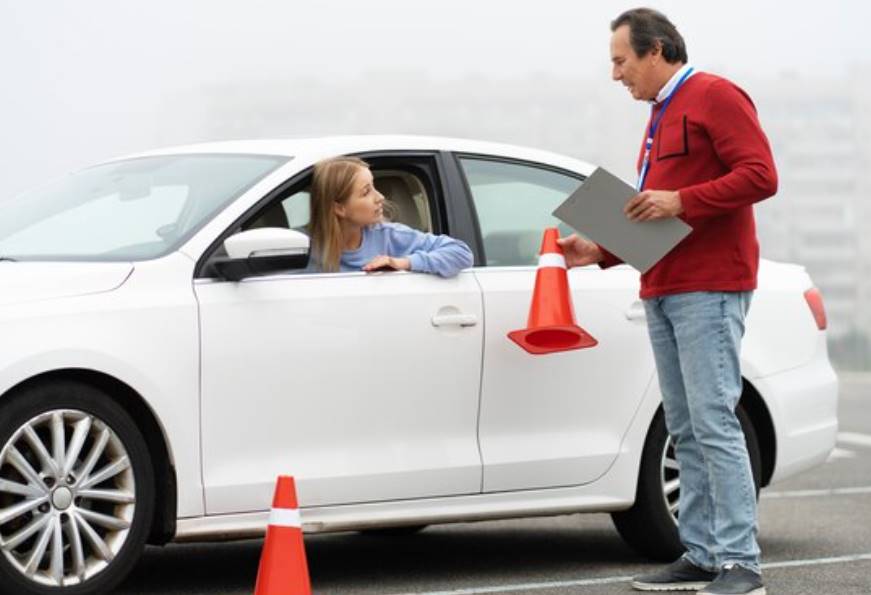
696 340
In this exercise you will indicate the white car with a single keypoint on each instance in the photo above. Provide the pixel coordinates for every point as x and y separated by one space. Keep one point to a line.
164 359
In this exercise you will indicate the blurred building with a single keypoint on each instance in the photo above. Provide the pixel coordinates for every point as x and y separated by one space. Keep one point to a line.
820 218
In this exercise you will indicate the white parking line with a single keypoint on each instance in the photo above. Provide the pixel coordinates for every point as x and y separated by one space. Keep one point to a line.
815 493
529 586
840 453
818 561
622 579
855 438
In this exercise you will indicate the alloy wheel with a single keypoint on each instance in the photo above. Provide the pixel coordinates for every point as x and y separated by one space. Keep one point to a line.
67 497
670 474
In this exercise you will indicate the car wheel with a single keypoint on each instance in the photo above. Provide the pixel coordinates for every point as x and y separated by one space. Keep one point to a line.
76 491
650 526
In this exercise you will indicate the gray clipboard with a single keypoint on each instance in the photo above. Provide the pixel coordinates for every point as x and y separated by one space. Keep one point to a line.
595 209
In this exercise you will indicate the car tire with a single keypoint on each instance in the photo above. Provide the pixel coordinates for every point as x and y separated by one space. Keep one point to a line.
97 504
649 527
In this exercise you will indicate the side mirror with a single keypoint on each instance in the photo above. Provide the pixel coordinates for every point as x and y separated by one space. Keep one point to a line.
263 251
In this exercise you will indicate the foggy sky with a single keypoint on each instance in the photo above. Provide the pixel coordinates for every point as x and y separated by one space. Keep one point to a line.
92 79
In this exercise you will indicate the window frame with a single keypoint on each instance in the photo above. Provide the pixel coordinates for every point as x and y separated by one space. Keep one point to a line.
433 180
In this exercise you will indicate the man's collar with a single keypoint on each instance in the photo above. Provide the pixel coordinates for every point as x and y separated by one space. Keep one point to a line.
672 83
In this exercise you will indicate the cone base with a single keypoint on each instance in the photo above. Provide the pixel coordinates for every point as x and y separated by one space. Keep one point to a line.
552 339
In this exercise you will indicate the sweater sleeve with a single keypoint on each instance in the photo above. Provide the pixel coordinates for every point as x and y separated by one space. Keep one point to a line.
741 145
609 260
429 253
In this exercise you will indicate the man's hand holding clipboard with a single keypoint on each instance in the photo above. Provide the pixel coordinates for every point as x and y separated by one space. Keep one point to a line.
638 228
649 205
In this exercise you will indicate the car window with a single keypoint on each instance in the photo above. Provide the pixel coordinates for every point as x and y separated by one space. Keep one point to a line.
290 212
155 216
134 209
514 203
407 197
406 194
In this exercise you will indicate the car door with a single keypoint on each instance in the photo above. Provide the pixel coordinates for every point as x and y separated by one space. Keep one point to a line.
559 419
365 387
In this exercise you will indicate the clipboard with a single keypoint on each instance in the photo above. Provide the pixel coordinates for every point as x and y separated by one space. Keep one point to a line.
595 210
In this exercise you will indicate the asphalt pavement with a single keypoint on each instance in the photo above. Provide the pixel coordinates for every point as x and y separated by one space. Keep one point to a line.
815 533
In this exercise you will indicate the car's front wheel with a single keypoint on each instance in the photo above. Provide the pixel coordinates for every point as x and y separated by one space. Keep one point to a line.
650 526
76 491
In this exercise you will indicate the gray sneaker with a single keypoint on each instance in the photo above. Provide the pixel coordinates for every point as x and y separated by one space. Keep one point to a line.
680 575
735 580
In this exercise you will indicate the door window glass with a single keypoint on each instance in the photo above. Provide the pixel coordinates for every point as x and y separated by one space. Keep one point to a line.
514 203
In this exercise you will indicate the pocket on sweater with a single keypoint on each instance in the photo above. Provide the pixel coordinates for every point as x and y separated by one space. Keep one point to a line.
673 139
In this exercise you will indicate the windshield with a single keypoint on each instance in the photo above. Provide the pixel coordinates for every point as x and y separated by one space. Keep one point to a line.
136 209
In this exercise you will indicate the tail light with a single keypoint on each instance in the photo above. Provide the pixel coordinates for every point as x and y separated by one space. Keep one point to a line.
815 300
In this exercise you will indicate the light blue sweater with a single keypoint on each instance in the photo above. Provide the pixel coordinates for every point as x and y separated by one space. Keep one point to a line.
428 253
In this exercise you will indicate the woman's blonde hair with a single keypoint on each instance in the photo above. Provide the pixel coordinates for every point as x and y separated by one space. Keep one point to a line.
333 182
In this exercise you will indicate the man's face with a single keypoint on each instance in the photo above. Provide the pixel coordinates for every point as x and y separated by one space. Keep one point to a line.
637 74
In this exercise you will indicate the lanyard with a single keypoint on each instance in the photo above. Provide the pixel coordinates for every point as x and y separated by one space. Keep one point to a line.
654 122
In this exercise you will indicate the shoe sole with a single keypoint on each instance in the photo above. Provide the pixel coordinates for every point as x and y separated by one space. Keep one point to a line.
682 586
759 591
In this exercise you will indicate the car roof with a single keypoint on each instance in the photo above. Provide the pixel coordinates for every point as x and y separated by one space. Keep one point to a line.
325 146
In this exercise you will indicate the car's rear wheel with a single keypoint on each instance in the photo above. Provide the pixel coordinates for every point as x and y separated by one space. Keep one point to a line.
650 526
76 491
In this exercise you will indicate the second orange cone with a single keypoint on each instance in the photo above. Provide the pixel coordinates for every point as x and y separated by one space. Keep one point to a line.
551 326
283 568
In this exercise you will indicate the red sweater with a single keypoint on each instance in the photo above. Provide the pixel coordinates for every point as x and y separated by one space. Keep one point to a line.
710 147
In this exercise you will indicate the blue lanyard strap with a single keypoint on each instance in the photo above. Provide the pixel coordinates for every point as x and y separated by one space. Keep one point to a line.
654 123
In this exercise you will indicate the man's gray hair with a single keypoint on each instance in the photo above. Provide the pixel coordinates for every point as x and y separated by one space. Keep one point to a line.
647 28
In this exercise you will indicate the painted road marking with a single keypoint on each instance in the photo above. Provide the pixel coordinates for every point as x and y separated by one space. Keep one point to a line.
855 439
623 579
840 453
816 493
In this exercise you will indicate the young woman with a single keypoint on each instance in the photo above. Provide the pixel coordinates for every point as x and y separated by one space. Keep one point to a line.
348 231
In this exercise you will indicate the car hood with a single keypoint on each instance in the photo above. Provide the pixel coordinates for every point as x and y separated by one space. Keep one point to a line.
31 281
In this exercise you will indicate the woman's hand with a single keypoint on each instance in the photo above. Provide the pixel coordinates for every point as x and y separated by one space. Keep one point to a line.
387 263
579 252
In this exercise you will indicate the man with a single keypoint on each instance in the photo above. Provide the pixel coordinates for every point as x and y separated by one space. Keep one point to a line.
704 159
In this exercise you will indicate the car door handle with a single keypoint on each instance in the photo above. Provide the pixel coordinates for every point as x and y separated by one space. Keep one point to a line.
455 319
636 311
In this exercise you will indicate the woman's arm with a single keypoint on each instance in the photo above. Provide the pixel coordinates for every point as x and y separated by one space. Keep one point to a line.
428 253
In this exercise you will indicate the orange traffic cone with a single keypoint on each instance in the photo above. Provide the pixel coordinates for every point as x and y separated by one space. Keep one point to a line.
283 569
551 326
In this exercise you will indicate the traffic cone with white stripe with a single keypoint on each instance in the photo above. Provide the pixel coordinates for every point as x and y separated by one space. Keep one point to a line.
551 326
283 568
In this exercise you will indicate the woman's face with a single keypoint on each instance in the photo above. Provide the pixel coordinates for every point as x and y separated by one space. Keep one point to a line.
365 206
